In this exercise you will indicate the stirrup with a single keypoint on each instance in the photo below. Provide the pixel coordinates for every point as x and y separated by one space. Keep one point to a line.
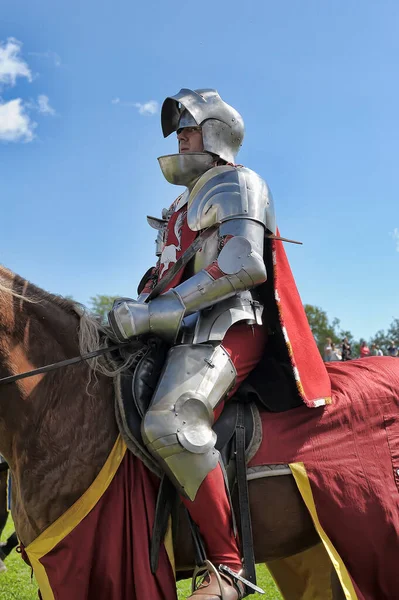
201 571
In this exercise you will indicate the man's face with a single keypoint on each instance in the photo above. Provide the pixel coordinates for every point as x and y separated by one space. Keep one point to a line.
190 139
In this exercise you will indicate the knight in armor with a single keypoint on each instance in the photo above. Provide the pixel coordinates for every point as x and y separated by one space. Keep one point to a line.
210 312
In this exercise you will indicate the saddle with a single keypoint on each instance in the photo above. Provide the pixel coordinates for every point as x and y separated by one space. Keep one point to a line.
135 388
239 435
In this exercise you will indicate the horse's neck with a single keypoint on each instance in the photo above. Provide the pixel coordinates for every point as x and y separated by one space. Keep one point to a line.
58 454
58 428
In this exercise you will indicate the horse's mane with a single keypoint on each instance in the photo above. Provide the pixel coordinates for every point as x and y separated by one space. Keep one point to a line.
92 334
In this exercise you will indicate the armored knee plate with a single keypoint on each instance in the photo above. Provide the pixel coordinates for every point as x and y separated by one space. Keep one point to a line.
177 428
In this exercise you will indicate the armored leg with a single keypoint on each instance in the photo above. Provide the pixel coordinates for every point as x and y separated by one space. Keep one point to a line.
177 428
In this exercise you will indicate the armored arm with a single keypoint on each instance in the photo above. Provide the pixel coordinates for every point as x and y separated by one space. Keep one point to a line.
240 202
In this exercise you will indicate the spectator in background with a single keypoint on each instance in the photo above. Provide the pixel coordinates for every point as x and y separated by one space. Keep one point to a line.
335 353
346 349
376 350
393 349
364 350
328 351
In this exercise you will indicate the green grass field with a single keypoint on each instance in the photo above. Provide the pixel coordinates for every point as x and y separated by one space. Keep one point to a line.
16 582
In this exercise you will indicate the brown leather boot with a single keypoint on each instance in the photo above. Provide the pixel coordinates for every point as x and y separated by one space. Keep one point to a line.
218 586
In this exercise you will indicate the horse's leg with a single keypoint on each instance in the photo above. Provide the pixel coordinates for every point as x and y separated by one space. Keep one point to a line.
3 513
10 544
3 500
336 587
3 521
281 523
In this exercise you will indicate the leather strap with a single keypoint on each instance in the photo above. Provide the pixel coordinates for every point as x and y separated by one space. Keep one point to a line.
129 345
199 548
243 500
166 497
181 262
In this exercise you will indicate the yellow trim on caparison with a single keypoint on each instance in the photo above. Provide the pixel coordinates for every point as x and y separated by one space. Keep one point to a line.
168 543
58 530
301 478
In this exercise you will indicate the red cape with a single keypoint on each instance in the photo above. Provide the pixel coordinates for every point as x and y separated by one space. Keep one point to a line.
309 371
291 371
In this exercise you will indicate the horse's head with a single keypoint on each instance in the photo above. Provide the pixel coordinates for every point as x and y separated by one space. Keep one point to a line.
34 326
57 428
37 329
32 329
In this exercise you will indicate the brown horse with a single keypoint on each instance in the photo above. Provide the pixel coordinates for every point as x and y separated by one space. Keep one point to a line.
57 429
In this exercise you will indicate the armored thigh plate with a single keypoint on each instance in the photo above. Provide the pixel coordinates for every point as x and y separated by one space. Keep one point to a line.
177 428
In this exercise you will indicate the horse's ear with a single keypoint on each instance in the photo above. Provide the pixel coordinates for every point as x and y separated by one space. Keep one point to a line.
144 280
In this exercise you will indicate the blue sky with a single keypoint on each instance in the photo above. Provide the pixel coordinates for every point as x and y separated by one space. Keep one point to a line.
316 82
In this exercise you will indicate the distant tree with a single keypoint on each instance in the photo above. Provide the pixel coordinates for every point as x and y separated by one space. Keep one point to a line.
380 338
383 338
101 305
321 327
345 333
393 332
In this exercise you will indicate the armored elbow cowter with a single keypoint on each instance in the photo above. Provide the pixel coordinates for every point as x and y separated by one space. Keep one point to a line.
239 267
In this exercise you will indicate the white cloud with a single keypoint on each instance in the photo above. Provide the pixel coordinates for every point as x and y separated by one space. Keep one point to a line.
15 124
395 235
11 63
148 108
43 105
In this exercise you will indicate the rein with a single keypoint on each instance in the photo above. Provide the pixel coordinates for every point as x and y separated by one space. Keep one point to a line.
63 363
